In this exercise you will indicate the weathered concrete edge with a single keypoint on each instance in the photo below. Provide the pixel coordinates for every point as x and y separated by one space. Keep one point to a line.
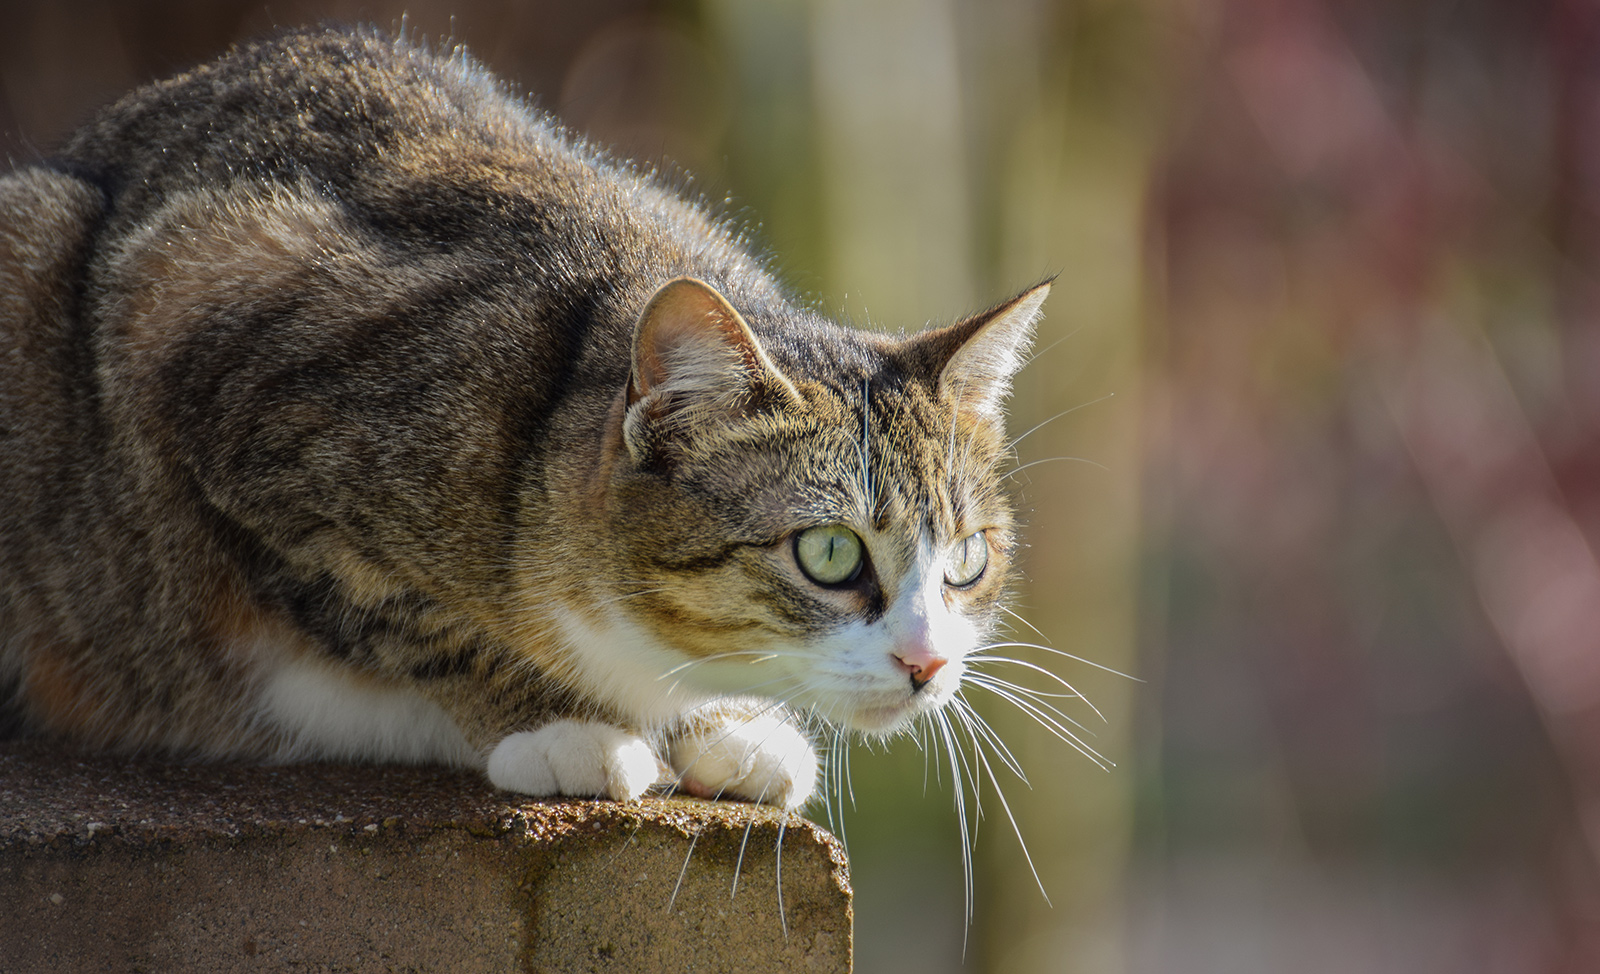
51 794
62 807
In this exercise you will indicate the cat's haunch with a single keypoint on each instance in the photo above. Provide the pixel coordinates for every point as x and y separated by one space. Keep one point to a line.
351 409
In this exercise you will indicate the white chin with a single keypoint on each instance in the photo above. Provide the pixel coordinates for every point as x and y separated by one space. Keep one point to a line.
880 711
886 719
877 720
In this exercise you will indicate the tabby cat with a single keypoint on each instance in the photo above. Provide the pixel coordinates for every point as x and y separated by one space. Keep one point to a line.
350 409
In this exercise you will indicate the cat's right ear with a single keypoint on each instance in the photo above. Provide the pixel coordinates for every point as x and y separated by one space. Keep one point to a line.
975 358
694 361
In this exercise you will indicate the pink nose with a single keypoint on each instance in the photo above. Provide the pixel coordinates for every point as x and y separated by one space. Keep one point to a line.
920 661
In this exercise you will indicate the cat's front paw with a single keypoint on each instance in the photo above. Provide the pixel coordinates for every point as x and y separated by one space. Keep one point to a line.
575 757
761 757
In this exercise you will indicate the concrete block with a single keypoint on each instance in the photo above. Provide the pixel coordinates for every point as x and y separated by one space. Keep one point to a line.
112 864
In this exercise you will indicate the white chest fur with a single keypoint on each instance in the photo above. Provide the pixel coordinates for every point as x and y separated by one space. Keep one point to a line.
324 713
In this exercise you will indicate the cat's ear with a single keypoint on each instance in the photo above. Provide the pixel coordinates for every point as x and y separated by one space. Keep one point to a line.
695 359
973 360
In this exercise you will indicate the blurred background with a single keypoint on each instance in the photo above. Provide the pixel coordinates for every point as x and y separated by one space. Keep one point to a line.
1324 472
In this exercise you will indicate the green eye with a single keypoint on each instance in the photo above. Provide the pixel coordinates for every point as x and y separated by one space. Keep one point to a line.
830 554
968 559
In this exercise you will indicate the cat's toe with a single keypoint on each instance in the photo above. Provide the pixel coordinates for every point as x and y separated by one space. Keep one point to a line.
764 759
572 757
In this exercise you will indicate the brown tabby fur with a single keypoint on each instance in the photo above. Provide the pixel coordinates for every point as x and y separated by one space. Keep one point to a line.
323 351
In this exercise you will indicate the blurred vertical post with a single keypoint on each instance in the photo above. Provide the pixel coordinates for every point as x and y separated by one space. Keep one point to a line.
954 157
956 149
886 77
1071 171
848 145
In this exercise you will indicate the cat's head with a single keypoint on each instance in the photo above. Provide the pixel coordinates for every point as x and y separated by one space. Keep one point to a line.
816 516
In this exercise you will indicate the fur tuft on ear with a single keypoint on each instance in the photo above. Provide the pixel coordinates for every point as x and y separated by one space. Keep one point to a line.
694 359
974 359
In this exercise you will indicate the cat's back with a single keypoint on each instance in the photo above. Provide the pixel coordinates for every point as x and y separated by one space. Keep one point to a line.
330 290
343 109
425 149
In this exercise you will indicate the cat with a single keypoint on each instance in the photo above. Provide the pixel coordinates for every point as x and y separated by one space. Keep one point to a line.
352 409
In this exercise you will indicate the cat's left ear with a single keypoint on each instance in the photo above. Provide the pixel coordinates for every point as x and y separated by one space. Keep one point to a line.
974 359
694 359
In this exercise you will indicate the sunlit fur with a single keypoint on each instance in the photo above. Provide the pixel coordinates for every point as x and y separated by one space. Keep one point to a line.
704 557
351 409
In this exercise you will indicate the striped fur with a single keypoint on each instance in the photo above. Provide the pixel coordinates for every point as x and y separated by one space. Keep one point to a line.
349 408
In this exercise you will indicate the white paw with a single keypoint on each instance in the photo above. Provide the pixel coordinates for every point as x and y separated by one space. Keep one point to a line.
761 758
574 757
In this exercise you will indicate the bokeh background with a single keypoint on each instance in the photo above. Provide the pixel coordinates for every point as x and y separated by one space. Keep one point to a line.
1325 478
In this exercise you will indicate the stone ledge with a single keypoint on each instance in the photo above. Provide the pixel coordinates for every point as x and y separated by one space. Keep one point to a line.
136 865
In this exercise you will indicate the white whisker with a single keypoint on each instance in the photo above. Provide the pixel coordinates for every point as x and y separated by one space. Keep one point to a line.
748 687
1060 652
1050 724
849 785
1065 412
760 656
1032 696
683 871
783 918
1021 694
961 818
1034 463
738 864
1034 357
977 726
1073 692
1020 619
1014 827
